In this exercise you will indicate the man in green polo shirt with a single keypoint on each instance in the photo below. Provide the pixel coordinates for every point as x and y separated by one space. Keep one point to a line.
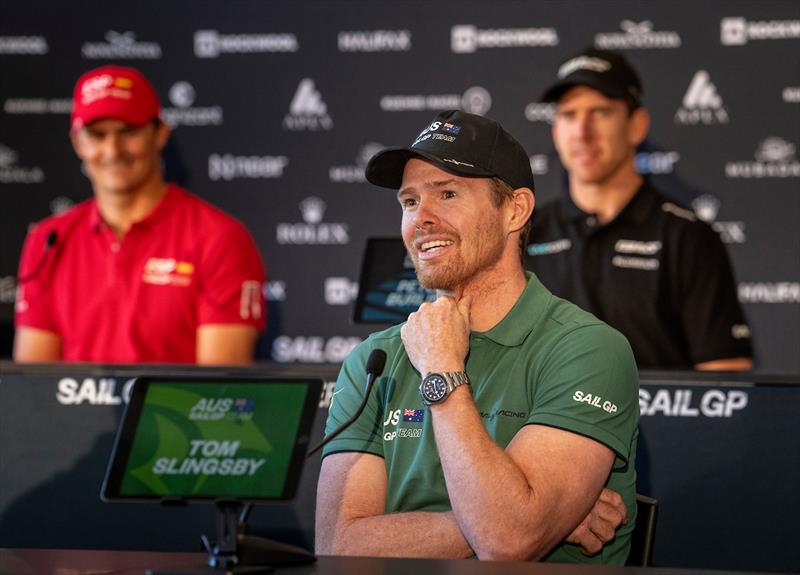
504 423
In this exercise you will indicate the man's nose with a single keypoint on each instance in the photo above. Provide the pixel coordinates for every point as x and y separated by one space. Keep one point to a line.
426 214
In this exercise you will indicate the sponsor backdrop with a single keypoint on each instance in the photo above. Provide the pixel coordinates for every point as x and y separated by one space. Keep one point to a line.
276 107
722 458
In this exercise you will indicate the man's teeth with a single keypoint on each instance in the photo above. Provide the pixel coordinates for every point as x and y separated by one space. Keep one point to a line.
435 244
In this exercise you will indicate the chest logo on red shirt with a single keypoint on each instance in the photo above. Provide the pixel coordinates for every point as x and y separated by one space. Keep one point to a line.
168 271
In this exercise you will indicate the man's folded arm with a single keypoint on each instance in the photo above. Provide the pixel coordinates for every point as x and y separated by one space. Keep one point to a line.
351 516
517 504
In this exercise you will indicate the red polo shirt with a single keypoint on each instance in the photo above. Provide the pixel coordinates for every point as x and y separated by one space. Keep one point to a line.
140 299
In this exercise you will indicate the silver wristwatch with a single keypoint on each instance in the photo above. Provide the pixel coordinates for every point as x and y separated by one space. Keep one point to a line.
435 387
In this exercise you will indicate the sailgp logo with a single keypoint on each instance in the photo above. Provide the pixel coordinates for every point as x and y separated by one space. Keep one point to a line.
702 103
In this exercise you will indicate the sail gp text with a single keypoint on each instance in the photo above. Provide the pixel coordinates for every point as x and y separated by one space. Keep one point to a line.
692 402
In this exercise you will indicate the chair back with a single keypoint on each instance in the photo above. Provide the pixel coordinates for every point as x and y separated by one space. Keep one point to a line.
644 533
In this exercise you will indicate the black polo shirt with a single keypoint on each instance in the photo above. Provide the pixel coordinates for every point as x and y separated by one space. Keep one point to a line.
656 273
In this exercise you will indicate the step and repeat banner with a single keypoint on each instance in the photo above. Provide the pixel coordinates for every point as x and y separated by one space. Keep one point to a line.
277 106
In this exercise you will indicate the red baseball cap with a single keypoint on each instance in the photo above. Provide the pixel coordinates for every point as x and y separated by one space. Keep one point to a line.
114 92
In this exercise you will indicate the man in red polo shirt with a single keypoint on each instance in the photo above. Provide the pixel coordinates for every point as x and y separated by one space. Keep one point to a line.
144 271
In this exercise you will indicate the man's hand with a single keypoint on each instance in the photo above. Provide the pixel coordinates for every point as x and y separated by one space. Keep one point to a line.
436 336
600 525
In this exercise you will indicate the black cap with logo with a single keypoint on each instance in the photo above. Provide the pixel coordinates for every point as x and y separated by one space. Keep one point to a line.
461 143
605 71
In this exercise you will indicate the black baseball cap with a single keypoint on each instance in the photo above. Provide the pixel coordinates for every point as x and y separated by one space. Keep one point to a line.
460 143
605 71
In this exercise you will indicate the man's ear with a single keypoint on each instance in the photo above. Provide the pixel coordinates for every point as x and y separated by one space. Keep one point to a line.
522 202
639 126
162 134
73 137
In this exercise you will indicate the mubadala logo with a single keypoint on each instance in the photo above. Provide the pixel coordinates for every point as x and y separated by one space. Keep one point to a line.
60 204
769 292
307 111
229 167
774 159
313 231
212 44
182 95
656 162
701 103
37 106
475 100
465 39
121 46
791 94
354 174
539 164
10 173
539 112
375 41
275 290
312 349
706 206
637 35
8 289
737 31
23 45
340 291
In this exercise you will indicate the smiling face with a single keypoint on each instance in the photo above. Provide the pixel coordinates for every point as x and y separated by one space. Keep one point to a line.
452 228
596 137
120 158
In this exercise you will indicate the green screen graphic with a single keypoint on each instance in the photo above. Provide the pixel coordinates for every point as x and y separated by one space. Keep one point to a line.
195 439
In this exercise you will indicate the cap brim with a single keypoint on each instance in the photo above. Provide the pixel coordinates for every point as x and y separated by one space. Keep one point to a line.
385 169
554 92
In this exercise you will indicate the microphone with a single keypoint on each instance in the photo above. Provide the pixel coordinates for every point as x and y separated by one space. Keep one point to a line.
49 243
375 364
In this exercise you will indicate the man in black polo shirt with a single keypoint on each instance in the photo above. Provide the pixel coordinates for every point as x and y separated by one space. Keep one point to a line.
617 247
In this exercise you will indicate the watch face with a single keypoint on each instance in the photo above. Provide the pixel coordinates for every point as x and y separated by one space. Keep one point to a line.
434 388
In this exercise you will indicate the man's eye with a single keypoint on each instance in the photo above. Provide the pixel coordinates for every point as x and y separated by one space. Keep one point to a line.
408 202
447 194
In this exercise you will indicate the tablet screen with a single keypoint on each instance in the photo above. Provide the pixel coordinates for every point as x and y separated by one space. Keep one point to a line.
206 438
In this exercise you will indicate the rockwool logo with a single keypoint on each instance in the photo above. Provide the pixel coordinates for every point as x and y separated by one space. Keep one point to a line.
307 111
182 95
123 46
637 36
475 100
312 231
212 44
312 349
738 31
701 103
375 41
354 174
229 167
23 45
769 292
465 39
774 158
10 173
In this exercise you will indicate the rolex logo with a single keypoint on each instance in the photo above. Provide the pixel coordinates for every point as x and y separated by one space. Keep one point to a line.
312 208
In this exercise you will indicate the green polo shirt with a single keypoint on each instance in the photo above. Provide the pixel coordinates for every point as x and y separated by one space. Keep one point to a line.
547 362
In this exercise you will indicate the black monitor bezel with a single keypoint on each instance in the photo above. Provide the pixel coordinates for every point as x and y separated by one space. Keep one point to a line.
118 461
